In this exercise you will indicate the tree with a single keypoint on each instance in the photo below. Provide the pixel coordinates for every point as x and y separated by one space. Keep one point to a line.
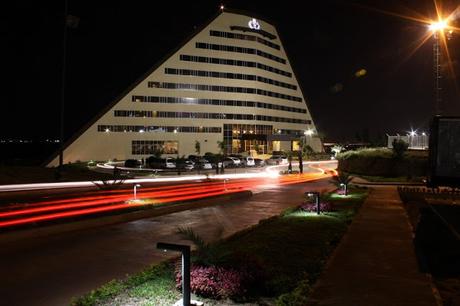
399 147
197 147
157 152
300 162
221 146
222 151
336 149
289 158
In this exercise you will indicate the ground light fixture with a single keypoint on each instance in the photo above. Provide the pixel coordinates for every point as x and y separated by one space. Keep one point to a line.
344 188
135 191
185 250
316 195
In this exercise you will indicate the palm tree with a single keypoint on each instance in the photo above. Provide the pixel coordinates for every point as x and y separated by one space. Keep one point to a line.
342 179
197 147
222 151
289 157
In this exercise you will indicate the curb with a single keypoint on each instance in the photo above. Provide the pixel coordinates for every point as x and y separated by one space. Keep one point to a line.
121 218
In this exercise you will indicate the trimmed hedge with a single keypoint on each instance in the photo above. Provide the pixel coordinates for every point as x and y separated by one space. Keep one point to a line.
382 162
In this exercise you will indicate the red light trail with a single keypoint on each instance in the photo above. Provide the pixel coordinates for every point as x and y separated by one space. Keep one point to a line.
91 203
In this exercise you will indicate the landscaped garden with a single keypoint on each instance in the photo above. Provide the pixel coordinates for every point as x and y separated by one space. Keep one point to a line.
385 165
273 263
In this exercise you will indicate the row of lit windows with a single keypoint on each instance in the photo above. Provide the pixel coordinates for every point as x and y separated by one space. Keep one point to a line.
195 115
219 102
257 129
244 37
204 87
201 45
133 113
228 75
232 62
158 129
149 147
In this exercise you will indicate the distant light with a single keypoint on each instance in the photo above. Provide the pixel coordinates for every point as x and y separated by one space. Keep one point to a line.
175 130
360 73
279 131
141 131
254 24
423 134
308 132
438 26
222 7
107 130
413 133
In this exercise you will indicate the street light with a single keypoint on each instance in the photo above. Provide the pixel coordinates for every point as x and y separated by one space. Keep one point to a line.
308 132
437 28
135 191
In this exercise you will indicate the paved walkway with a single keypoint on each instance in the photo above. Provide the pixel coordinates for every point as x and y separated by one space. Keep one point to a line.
375 263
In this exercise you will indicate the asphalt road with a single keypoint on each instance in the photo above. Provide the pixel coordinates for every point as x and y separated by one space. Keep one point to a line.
51 270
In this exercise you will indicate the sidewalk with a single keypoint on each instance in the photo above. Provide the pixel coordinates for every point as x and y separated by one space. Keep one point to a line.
375 263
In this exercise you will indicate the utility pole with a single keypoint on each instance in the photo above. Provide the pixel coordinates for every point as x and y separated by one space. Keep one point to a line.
437 73
63 81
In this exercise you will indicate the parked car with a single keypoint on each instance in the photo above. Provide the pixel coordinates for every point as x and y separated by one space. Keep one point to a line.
259 162
132 163
188 165
277 160
203 164
170 163
248 161
160 163
194 158
231 162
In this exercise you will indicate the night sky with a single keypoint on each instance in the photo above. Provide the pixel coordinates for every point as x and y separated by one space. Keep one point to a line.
327 43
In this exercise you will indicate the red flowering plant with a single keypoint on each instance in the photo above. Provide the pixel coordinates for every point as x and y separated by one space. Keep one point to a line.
215 273
309 204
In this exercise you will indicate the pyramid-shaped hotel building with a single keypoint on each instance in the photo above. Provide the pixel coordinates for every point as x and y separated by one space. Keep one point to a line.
230 81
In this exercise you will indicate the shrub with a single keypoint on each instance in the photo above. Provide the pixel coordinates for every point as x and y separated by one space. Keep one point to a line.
399 147
311 207
132 163
215 282
298 297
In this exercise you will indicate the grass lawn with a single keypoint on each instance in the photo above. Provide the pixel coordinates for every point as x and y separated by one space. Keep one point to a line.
290 250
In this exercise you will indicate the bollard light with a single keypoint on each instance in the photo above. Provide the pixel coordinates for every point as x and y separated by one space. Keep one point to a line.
185 250
316 195
135 190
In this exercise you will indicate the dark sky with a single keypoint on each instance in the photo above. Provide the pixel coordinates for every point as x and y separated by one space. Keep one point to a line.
117 41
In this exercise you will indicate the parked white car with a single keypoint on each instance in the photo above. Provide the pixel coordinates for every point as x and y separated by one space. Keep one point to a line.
169 163
203 164
277 160
248 161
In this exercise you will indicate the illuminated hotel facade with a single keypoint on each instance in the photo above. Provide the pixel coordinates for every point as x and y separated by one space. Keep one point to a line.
231 82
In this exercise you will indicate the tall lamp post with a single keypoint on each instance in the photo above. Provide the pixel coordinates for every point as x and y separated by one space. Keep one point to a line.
438 29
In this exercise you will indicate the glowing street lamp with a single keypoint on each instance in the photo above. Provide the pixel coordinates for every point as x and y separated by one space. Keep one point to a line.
308 132
438 26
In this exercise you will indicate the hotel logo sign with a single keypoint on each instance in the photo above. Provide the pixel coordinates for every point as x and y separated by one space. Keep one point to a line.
254 24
